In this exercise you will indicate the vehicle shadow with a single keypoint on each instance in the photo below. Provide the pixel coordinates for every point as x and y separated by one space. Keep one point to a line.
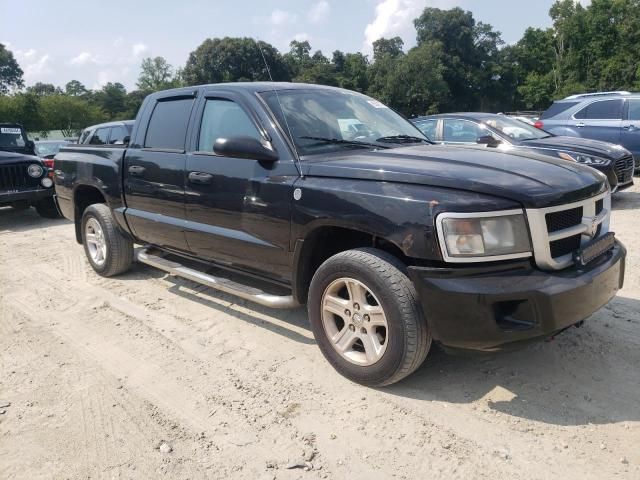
583 376
281 322
23 220
626 200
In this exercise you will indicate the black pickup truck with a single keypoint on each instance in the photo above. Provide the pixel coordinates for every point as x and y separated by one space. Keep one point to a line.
24 178
327 197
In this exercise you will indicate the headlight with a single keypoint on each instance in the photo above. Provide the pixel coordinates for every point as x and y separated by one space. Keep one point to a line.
586 159
35 170
478 237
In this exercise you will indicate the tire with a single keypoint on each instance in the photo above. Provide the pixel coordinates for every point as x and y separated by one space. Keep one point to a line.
47 208
100 232
402 344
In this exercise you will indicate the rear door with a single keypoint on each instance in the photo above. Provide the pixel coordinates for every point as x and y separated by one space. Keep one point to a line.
154 175
238 210
630 135
600 120
459 131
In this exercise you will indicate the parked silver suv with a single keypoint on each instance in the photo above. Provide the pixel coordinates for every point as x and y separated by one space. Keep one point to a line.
610 116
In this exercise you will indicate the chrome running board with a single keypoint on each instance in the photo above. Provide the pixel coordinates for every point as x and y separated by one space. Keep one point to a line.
222 284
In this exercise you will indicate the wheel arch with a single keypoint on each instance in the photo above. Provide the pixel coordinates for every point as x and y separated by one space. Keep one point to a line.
83 197
326 240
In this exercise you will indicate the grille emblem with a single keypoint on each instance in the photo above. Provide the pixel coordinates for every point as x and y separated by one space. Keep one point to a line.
592 228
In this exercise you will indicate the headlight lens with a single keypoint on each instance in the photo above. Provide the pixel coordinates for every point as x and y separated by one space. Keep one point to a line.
586 159
482 236
35 170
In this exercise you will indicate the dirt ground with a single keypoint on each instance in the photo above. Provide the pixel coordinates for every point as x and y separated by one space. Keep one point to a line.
105 376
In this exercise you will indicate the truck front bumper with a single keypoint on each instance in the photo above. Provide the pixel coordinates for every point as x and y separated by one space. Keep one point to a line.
32 196
500 307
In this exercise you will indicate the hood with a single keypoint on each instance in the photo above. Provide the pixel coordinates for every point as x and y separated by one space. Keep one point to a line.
580 145
17 157
532 180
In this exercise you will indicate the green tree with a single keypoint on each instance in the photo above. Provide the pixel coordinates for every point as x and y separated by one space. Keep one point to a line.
42 89
156 74
69 114
469 55
112 100
387 46
75 89
234 59
10 71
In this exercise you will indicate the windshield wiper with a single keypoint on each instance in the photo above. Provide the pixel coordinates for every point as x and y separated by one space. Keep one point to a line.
402 139
339 141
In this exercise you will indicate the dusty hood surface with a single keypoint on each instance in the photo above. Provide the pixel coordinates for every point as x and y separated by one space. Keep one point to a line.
531 179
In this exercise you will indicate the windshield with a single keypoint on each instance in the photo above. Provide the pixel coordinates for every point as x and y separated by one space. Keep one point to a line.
11 137
48 148
322 121
515 129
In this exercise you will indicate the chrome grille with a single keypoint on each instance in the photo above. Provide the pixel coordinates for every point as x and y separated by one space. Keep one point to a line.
14 177
559 231
624 169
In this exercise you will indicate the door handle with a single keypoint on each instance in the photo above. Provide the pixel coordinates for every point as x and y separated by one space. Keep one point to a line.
580 125
629 127
136 170
200 178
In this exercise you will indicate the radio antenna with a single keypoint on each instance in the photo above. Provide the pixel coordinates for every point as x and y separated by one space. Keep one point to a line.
286 122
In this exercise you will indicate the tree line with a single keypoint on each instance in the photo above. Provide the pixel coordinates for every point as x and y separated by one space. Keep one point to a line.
458 64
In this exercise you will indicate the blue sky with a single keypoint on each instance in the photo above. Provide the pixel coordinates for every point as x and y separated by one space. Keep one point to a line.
100 41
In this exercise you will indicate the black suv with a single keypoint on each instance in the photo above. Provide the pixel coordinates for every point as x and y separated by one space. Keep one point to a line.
24 178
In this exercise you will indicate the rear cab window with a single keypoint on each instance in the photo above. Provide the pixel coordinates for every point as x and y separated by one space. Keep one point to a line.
168 124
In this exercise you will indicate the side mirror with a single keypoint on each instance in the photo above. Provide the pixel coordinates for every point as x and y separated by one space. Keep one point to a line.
245 147
488 140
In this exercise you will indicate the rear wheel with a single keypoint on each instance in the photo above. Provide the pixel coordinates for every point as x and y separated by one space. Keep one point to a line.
366 317
108 249
47 208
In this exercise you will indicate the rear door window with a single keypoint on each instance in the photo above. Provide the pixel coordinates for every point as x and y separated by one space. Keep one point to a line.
602 110
118 135
634 110
461 131
168 124
224 119
100 137
428 127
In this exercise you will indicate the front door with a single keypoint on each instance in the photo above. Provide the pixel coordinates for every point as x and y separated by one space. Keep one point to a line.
154 176
630 135
238 210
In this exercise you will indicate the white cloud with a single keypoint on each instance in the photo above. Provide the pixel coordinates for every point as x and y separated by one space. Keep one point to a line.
395 18
301 37
118 42
279 18
319 12
37 67
138 49
83 58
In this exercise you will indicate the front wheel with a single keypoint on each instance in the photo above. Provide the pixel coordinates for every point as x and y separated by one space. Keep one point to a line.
108 249
366 317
